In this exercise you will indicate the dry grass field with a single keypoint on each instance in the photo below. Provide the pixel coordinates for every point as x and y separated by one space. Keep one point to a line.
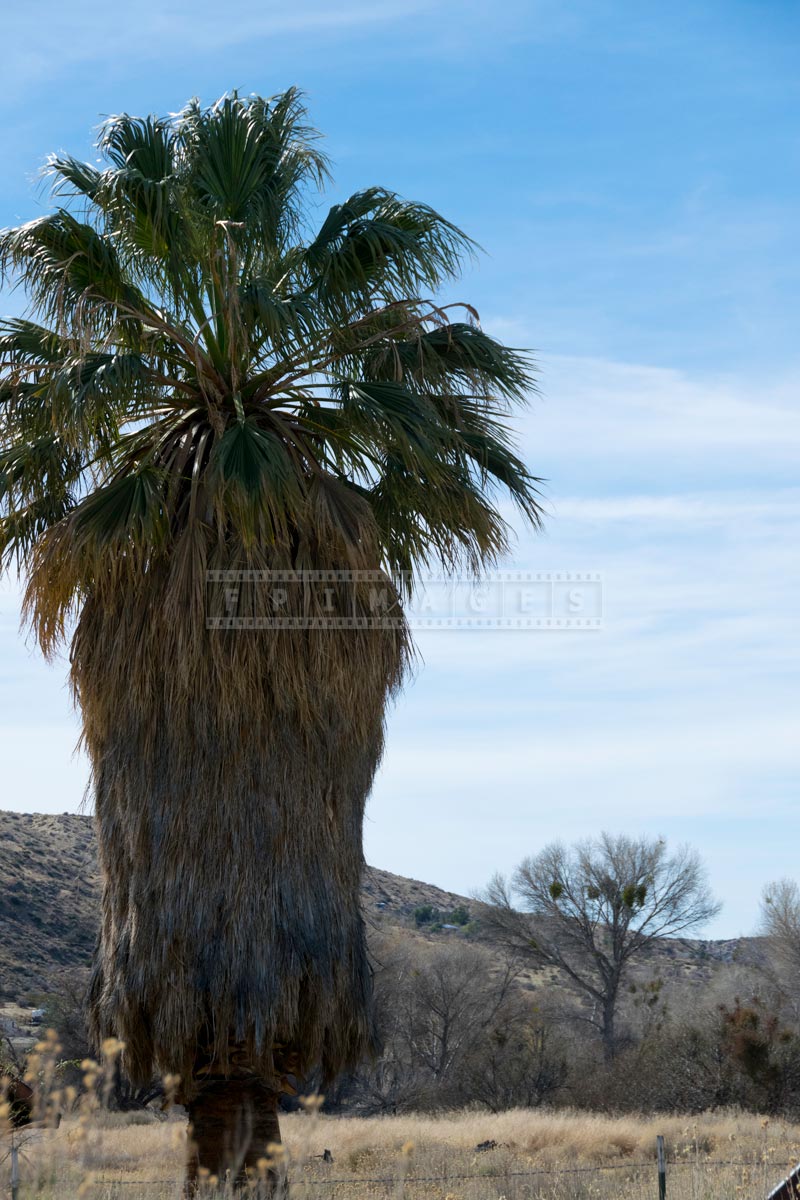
538 1156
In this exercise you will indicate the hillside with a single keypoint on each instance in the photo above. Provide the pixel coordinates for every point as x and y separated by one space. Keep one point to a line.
49 900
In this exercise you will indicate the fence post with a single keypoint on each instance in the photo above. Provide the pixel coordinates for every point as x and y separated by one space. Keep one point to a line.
14 1169
662 1168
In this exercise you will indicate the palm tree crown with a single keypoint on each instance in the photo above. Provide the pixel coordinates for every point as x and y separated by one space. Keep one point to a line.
196 362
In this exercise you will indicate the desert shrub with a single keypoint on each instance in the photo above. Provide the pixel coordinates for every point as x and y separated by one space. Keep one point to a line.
435 918
424 914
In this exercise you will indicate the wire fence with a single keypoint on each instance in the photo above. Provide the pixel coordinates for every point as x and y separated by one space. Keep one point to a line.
703 1164
703 1179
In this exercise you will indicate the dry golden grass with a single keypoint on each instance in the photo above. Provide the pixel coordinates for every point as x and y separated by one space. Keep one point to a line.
579 1156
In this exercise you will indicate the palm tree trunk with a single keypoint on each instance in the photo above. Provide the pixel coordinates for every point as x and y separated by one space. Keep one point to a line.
233 1129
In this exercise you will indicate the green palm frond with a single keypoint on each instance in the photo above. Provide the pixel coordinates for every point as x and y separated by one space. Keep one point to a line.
64 261
256 483
379 244
127 513
39 476
462 352
28 345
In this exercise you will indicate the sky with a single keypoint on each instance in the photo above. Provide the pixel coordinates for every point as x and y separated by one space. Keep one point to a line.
631 170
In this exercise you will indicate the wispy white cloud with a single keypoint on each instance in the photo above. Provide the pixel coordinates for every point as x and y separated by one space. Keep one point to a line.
609 411
698 509
198 25
52 40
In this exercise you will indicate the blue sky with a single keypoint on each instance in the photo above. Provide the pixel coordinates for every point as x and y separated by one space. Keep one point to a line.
632 170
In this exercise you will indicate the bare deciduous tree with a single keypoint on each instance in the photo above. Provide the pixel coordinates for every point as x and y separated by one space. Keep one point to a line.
780 922
589 910
456 1028
435 1009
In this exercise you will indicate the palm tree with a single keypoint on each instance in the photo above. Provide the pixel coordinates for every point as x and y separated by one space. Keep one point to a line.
202 385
